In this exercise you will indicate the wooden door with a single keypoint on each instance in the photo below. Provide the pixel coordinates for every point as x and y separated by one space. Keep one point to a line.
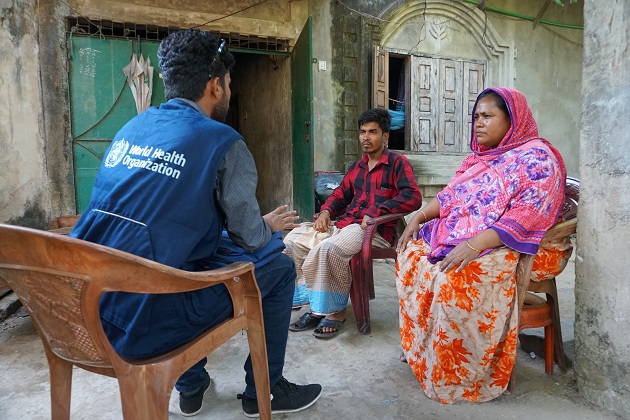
302 113
380 79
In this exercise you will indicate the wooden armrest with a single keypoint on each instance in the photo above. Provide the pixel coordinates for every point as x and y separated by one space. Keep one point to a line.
560 230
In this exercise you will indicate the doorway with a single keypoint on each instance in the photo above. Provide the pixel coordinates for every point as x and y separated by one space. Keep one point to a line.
260 109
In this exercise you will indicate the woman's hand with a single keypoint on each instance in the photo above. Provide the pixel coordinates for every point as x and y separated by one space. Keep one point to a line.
462 254
422 216
410 232
468 250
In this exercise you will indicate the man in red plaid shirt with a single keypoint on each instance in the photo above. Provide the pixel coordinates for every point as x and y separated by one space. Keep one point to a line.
380 183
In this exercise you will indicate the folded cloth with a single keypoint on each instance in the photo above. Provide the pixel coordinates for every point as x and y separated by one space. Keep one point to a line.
229 252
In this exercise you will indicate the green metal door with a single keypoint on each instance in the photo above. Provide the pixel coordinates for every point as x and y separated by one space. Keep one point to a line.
302 113
101 101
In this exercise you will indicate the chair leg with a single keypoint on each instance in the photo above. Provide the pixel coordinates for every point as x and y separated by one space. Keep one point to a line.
512 383
60 385
552 299
548 287
359 295
145 392
549 339
368 274
260 364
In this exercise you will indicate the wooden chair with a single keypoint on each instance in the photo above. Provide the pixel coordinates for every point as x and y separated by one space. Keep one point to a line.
60 281
362 289
546 314
63 224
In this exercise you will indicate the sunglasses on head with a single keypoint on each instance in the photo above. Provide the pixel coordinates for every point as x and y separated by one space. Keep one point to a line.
216 57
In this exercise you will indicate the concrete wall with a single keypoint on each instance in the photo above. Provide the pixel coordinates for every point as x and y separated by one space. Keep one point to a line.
31 186
602 290
548 70
328 149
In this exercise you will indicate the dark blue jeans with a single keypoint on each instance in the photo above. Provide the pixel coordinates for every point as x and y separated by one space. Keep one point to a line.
178 319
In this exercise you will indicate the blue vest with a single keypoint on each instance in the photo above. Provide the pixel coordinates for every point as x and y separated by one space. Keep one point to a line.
154 196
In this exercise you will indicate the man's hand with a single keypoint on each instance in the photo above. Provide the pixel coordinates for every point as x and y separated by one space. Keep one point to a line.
322 224
364 222
280 219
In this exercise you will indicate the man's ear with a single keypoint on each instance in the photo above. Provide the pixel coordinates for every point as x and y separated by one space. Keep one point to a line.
386 137
213 86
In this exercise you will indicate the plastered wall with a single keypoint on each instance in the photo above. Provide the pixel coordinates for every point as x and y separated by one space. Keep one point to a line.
35 144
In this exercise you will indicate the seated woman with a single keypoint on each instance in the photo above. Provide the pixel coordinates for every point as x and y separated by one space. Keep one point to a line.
456 274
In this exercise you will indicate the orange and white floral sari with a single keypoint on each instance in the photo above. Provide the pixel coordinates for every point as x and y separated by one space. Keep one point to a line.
458 330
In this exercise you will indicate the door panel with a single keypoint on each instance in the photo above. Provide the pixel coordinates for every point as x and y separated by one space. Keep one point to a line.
380 79
101 102
423 115
302 113
450 116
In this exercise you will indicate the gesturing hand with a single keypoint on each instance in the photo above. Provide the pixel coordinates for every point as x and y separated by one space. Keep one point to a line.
280 219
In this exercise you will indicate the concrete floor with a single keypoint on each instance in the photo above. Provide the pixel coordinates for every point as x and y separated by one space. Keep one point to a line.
362 376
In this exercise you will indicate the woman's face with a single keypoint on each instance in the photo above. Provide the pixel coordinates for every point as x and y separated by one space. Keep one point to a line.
491 123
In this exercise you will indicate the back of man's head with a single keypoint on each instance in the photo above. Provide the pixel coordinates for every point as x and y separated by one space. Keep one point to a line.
188 59
377 115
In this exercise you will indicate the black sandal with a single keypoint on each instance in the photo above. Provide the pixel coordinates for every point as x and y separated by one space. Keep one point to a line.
330 323
306 322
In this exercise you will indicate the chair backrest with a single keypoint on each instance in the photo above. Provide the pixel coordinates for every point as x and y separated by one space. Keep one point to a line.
60 281
572 197
562 229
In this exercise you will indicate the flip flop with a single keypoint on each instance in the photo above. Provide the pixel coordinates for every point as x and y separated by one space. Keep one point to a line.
306 322
330 323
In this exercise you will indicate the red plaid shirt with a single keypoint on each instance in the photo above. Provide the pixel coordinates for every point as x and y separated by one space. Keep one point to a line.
390 187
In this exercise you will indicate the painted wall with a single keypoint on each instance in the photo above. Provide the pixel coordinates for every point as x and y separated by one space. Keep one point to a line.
547 67
602 290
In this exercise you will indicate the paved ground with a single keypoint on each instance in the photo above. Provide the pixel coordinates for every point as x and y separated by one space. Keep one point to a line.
362 375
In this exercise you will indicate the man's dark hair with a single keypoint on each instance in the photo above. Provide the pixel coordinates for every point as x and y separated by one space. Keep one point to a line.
188 59
377 115
498 101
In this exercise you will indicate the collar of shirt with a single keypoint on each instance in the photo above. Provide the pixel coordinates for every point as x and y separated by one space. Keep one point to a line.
384 158
192 104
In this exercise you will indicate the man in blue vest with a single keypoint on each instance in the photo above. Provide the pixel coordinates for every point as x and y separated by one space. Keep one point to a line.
173 178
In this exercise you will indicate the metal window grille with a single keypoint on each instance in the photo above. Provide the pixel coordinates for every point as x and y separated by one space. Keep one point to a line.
112 29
